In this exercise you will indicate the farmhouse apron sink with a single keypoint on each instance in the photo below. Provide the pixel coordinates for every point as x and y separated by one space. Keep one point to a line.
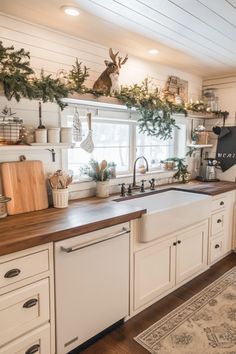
170 211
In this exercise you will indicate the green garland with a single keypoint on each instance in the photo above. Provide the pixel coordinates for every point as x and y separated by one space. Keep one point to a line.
155 114
19 80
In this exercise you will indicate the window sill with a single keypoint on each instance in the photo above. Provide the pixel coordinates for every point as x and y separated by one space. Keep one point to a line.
162 177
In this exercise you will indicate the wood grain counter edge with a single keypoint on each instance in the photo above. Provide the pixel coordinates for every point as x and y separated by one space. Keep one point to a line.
15 237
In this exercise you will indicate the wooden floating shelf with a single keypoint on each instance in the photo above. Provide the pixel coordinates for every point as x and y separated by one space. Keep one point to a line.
36 146
196 146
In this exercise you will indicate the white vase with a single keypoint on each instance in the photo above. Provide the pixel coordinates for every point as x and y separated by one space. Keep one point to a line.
102 189
60 198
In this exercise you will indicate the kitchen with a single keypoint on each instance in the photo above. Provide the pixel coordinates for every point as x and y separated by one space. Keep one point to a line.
135 259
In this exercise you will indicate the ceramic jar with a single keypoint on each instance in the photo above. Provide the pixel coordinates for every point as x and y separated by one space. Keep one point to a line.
54 135
66 135
102 189
60 198
41 136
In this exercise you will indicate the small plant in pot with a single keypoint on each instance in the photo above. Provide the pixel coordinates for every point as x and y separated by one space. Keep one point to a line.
101 174
59 182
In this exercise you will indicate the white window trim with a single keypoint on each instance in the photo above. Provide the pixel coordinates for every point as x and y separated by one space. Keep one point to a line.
121 177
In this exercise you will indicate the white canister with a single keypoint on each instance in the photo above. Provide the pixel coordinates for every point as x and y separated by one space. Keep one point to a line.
66 135
102 190
60 198
41 136
54 135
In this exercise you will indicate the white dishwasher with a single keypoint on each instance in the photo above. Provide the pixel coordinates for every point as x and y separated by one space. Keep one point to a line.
91 284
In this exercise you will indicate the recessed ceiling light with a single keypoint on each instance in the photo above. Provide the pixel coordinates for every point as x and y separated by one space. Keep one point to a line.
153 51
71 10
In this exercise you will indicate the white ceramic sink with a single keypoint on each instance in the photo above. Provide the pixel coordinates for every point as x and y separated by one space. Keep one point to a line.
170 211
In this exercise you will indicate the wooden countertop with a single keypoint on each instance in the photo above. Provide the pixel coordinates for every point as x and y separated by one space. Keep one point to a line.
26 230
209 188
23 231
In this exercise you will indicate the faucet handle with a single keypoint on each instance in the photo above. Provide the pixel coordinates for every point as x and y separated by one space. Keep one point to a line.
152 184
122 190
142 188
129 191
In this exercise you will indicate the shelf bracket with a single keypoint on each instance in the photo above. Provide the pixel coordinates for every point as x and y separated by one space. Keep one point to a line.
53 152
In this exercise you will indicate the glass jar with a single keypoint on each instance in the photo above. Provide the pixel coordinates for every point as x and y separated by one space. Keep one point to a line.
3 206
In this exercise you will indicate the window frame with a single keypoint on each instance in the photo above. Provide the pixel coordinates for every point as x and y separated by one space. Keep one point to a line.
130 118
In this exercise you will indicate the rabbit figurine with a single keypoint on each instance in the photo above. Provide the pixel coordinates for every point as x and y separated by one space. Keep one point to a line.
108 81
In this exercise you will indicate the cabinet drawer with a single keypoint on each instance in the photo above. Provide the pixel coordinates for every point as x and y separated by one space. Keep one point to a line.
218 203
23 310
217 223
216 248
21 268
37 341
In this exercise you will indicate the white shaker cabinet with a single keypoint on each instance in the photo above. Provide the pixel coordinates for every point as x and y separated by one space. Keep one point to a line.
191 252
221 226
166 263
154 271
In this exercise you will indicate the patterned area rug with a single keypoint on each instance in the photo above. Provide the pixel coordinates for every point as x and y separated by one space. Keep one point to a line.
205 324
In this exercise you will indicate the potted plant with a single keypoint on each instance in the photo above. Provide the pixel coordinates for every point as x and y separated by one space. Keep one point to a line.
59 182
101 174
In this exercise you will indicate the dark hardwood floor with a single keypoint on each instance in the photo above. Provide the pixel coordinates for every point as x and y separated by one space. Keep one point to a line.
120 340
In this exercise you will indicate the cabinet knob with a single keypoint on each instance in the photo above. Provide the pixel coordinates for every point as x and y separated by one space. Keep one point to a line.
34 349
174 243
12 273
30 303
222 203
219 221
217 246
179 241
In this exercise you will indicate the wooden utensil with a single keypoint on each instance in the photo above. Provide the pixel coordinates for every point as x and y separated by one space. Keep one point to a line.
24 182
41 126
103 166
88 144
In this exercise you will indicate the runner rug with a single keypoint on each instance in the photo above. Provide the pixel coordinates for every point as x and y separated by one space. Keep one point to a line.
205 324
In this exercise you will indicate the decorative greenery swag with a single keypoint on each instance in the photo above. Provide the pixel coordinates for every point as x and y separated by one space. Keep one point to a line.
19 80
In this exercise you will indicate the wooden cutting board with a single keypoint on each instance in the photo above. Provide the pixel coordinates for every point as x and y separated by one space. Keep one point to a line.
24 182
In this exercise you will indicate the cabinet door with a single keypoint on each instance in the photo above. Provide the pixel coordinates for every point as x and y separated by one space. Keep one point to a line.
154 269
191 252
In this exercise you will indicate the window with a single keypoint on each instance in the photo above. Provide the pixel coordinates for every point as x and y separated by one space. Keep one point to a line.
111 143
154 149
117 139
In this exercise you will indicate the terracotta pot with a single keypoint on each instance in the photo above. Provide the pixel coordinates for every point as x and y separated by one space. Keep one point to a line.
102 189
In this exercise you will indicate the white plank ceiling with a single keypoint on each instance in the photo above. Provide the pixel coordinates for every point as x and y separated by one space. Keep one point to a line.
194 35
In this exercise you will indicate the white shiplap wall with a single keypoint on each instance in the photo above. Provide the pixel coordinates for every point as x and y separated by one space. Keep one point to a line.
52 51
226 91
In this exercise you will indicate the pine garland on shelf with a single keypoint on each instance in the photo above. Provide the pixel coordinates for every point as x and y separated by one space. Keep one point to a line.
77 77
15 73
48 89
18 80
155 114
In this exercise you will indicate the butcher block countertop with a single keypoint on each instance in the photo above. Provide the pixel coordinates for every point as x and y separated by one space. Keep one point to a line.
26 230
209 188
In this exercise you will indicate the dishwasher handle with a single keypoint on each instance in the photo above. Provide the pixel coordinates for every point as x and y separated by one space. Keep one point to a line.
79 247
